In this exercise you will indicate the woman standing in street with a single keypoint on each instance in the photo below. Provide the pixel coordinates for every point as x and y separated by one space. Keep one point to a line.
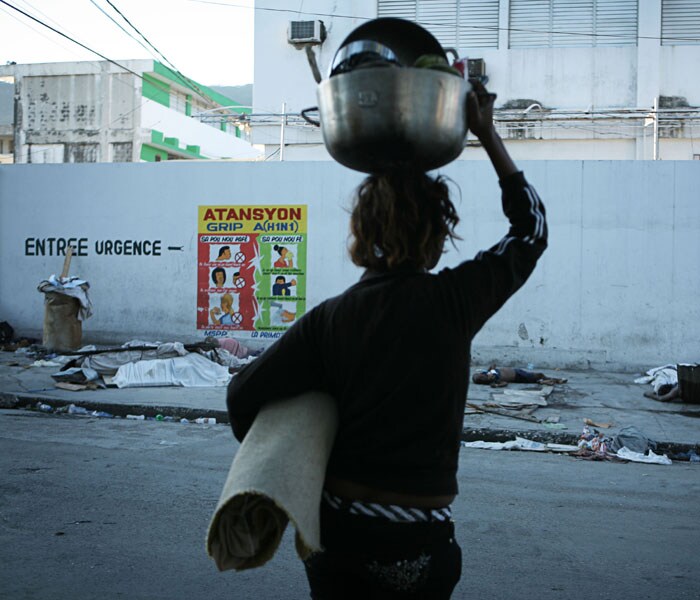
386 524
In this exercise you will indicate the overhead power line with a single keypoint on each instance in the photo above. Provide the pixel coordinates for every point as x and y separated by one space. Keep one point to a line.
102 56
186 80
111 18
150 81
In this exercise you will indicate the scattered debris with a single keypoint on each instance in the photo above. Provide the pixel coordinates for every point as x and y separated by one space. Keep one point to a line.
593 441
594 424
554 425
523 413
520 443
632 439
649 458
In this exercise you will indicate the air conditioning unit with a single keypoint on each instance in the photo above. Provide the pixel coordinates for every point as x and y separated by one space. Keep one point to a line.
306 32
476 68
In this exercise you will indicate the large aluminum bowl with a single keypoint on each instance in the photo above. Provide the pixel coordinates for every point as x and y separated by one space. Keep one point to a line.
378 119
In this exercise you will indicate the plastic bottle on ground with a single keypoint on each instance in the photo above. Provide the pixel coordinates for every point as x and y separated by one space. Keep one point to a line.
206 421
43 407
77 410
102 414
136 417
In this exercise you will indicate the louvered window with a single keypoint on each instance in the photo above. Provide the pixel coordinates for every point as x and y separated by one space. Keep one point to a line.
561 23
680 22
455 23
478 24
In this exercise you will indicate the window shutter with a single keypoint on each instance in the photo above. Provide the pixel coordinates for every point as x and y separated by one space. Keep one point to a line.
455 23
477 24
439 17
680 22
530 23
399 9
616 22
570 23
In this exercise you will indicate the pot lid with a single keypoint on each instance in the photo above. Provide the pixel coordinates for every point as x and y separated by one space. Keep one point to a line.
406 39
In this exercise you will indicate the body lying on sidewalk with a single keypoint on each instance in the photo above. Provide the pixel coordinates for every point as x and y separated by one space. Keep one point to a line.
502 376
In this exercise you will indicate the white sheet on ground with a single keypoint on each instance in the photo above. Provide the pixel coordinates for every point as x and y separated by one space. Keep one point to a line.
650 457
107 363
192 370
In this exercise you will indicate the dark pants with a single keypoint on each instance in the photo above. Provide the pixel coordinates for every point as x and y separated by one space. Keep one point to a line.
369 558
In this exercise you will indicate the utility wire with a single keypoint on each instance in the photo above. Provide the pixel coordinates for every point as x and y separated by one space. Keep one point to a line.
150 81
111 18
428 23
186 80
102 56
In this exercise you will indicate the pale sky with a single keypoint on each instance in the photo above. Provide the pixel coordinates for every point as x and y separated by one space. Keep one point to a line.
210 43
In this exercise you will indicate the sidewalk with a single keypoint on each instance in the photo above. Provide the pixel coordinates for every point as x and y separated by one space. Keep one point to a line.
602 397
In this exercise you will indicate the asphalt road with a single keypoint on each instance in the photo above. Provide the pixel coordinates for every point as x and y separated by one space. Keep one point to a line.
100 509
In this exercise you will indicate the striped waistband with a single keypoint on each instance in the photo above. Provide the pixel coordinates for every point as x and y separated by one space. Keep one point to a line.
390 512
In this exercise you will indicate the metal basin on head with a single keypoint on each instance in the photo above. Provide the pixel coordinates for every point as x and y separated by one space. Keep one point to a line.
379 119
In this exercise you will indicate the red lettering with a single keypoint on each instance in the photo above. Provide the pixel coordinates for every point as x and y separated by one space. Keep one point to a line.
270 213
258 214
231 215
282 214
209 215
295 213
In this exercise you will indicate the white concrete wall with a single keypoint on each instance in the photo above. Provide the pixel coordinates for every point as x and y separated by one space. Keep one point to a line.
618 285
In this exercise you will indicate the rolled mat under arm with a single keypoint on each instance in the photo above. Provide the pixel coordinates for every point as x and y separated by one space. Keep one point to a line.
276 476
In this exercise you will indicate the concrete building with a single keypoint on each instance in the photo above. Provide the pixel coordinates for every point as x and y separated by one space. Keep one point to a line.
584 79
139 110
6 119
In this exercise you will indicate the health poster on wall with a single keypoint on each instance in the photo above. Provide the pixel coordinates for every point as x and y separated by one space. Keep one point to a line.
251 274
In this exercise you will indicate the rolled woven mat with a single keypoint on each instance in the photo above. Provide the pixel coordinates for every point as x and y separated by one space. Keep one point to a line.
276 476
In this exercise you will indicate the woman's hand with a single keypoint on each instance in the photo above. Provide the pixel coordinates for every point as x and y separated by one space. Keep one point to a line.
480 120
480 110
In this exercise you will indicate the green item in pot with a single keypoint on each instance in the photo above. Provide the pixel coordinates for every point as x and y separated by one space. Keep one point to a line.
436 63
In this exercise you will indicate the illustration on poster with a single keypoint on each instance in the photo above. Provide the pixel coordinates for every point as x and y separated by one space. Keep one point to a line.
227 314
281 287
230 253
238 280
224 253
252 281
286 257
218 277
282 313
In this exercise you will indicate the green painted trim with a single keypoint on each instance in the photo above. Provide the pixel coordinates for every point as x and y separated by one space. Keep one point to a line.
215 96
156 90
158 140
188 105
149 153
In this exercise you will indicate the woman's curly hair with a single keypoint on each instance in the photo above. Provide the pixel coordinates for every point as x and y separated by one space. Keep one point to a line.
401 219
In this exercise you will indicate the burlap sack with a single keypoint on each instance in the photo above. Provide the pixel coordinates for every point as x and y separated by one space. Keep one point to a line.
62 328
